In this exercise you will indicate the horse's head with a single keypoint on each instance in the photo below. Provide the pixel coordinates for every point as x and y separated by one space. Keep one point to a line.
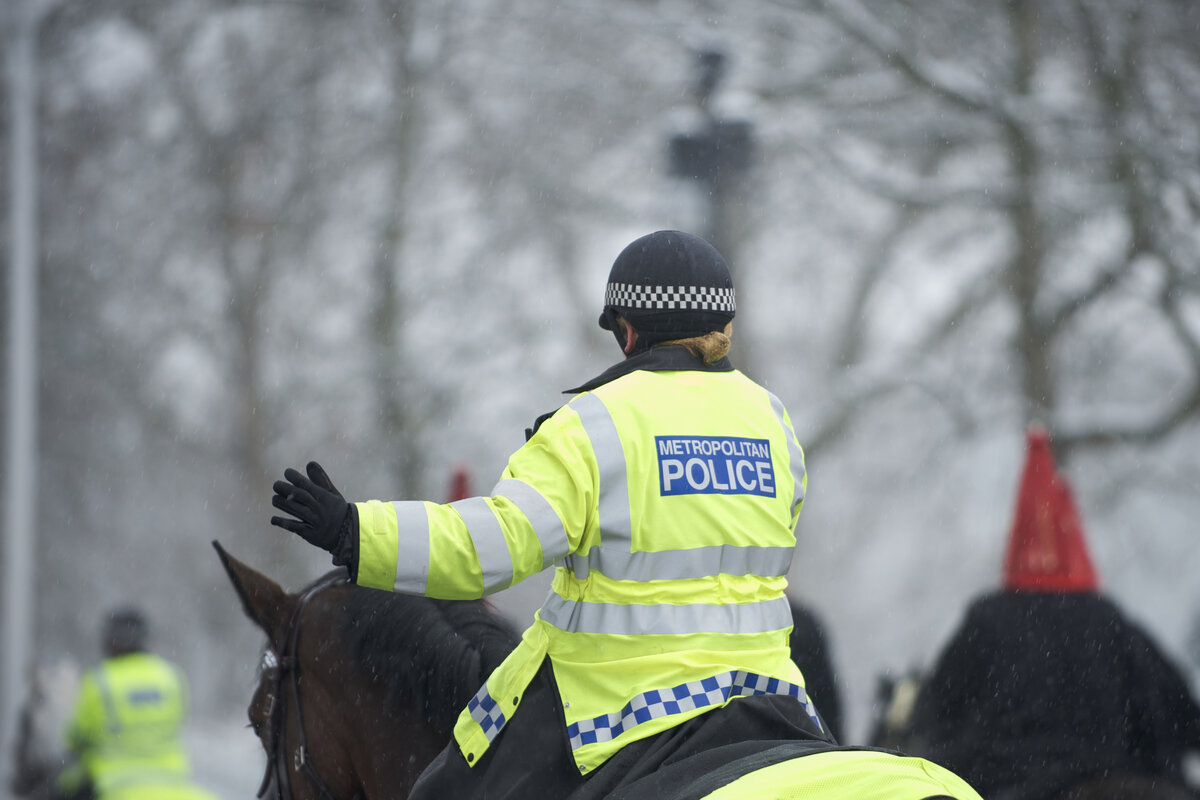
305 751
297 711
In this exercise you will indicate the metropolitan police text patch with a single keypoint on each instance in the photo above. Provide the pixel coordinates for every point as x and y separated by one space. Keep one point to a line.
714 465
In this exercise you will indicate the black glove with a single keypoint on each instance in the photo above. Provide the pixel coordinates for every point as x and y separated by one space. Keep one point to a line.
322 515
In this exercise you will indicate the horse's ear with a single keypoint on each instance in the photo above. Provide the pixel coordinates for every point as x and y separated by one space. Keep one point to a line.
264 601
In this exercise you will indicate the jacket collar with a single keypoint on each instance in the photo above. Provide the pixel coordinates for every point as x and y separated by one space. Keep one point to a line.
671 357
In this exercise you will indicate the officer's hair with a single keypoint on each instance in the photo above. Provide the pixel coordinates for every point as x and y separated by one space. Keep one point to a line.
712 346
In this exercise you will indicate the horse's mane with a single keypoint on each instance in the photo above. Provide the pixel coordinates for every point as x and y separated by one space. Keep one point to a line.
432 653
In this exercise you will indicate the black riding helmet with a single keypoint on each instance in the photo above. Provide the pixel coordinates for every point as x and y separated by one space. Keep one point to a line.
669 285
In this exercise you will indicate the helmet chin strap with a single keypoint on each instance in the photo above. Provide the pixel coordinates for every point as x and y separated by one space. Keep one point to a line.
618 331
631 340
630 344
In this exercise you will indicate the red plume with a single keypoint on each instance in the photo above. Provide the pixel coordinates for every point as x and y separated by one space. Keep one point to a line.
1047 551
460 485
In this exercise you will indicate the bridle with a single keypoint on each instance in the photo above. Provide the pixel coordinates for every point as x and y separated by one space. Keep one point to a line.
288 670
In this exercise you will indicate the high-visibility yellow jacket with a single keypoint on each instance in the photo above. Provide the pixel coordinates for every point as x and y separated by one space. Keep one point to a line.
665 495
126 729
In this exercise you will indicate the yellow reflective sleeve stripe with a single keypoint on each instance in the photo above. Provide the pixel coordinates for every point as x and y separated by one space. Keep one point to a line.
377 544
848 775
495 562
413 554
542 518
456 571
417 547
465 549
795 457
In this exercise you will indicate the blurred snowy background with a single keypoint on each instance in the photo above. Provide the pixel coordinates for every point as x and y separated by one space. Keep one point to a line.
375 233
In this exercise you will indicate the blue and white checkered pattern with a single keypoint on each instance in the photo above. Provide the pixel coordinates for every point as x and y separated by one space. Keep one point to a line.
668 298
658 703
486 712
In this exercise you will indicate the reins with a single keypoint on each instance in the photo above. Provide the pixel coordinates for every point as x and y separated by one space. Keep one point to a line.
288 667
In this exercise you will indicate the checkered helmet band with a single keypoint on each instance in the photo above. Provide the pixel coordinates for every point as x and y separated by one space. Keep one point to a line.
670 298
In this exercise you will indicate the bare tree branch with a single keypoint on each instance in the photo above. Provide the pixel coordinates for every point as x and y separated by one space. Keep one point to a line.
864 26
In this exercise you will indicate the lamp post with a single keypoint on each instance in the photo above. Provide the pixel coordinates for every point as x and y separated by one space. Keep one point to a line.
714 152
21 379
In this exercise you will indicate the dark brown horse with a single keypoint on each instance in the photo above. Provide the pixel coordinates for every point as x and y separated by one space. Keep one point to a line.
359 689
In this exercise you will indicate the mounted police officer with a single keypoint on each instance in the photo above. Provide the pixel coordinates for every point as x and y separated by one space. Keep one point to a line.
126 728
665 495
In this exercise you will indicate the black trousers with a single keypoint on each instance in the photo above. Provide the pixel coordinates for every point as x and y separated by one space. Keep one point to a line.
531 757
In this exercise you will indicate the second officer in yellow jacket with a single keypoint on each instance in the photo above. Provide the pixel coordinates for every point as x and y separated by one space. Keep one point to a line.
126 729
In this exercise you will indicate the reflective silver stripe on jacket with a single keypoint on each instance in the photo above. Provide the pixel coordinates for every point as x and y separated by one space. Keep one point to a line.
795 454
614 516
412 546
541 515
613 519
112 722
488 537
696 562
633 619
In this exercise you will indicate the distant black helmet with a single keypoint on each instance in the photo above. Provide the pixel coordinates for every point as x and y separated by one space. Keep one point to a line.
125 631
669 285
